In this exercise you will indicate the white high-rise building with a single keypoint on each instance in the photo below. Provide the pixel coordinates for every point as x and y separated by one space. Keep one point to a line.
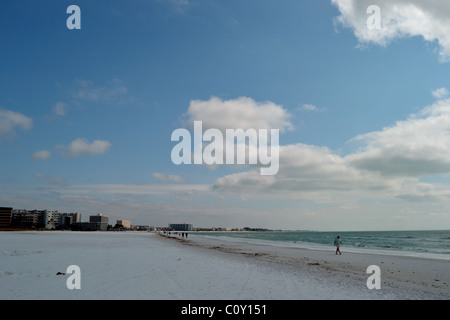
50 219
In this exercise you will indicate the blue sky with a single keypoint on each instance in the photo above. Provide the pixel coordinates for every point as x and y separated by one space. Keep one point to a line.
86 115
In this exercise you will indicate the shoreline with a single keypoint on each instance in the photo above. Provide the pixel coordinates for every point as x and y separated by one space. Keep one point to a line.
406 277
326 247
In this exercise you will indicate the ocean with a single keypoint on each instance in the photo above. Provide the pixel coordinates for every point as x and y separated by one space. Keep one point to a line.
426 243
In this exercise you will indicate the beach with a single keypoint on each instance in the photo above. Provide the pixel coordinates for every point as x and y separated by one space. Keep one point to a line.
150 266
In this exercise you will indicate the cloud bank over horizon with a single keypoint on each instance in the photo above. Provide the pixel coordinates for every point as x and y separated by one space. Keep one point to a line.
385 165
389 161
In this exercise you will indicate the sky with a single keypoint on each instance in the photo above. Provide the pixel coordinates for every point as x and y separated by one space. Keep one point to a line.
360 96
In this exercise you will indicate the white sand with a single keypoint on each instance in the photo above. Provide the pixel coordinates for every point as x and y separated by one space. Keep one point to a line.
142 265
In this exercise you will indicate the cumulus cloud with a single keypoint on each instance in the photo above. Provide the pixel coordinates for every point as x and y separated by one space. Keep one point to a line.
81 146
414 147
389 161
241 113
10 121
42 155
399 19
305 168
238 131
161 177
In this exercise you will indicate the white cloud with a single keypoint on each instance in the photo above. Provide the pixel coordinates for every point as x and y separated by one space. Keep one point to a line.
399 19
60 108
50 179
161 177
42 155
441 93
311 107
413 147
82 146
137 189
114 91
241 131
387 163
10 120
241 113
306 168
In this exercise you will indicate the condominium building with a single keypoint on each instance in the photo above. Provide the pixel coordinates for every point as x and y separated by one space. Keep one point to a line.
66 219
5 216
24 219
97 222
44 219
50 219
99 218
124 223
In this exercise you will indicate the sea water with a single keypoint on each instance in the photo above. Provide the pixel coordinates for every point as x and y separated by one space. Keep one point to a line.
426 243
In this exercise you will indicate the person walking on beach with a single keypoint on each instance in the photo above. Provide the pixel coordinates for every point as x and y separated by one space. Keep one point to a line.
337 244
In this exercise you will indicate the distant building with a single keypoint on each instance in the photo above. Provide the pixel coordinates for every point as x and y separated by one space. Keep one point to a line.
42 219
124 223
99 222
24 219
66 219
99 218
6 216
89 226
181 227
51 219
